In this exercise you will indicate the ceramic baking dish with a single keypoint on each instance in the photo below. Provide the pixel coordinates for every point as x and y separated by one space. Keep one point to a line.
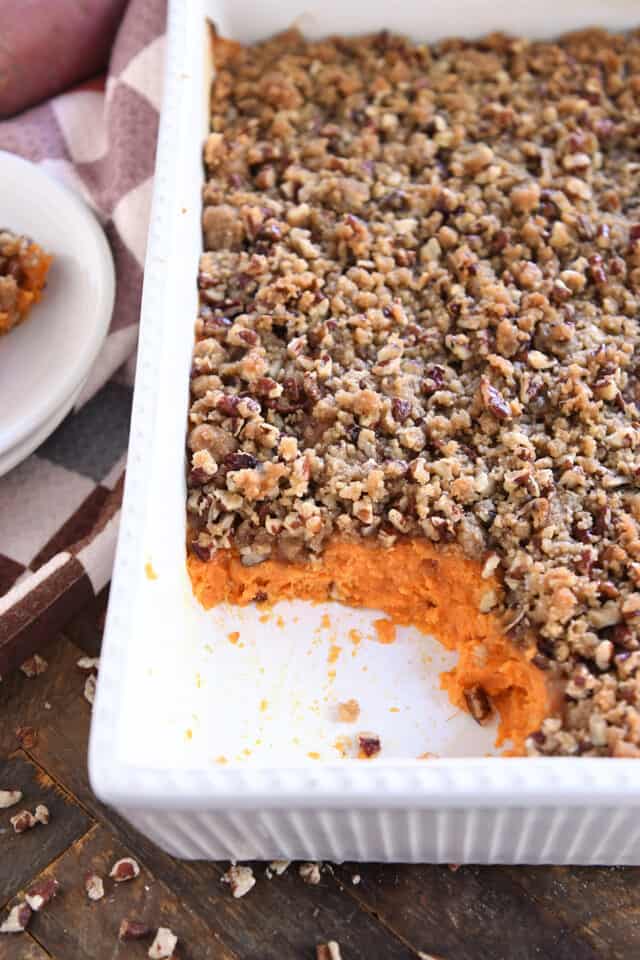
222 749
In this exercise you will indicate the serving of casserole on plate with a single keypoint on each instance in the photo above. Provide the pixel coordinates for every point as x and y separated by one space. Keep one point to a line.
23 274
56 297
412 449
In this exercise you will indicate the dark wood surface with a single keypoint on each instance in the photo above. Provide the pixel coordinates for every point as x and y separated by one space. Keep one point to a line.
395 912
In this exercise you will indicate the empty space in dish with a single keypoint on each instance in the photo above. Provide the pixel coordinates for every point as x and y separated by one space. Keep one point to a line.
248 685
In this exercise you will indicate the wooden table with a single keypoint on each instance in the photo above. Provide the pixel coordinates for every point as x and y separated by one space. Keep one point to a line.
393 912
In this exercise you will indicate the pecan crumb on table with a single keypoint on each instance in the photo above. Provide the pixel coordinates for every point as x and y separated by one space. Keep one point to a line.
419 318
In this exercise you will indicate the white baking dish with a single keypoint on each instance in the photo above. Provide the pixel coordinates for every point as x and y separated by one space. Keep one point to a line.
176 696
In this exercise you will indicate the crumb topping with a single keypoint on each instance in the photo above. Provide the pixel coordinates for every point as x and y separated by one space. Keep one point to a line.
23 269
418 318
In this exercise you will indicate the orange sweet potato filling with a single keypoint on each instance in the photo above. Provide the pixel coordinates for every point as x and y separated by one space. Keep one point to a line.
30 292
415 583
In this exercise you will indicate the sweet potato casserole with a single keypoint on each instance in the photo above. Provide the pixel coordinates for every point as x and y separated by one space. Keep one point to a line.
415 378
23 273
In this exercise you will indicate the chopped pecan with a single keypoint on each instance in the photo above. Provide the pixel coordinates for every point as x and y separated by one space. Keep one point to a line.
133 930
41 813
369 744
9 798
23 821
88 664
18 919
41 893
240 879
124 869
240 461
493 400
310 873
479 704
164 943
328 951
34 666
90 688
94 886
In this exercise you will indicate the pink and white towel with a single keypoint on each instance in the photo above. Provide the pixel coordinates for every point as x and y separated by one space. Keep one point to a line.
99 138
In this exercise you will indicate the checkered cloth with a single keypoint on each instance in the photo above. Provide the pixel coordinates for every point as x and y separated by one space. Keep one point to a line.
59 509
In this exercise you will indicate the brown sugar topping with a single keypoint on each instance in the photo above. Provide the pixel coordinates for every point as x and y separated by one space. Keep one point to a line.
419 306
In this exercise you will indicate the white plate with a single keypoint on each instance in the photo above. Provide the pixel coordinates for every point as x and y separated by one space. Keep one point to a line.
44 362
21 450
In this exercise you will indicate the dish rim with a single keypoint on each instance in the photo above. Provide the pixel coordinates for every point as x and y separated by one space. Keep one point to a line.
343 784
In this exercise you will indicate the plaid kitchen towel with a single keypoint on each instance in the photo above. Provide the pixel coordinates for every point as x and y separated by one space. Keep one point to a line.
59 509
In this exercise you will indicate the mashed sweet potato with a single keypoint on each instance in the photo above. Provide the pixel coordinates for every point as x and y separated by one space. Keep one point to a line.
437 590
23 274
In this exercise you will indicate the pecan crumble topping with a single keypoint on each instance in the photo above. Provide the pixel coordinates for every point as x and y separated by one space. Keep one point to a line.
23 271
419 305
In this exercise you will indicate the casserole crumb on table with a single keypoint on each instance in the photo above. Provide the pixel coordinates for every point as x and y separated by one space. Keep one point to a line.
416 358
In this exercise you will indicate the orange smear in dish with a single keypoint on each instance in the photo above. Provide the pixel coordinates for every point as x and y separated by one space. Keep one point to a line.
435 589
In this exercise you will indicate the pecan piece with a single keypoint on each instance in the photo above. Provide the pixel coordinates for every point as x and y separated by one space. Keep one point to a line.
401 409
310 873
493 400
23 821
369 744
240 879
328 951
125 869
240 461
133 930
17 920
88 664
34 666
434 380
41 893
198 550
479 704
94 886
9 798
164 943
89 691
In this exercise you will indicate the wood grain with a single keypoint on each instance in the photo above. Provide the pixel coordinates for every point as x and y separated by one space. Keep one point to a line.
23 856
22 947
75 928
470 913
601 904
284 918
